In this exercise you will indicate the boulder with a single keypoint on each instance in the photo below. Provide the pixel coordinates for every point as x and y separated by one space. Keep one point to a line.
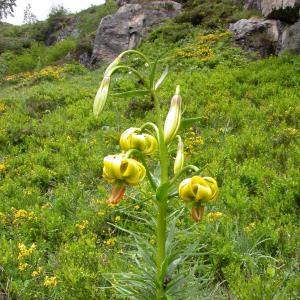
257 35
128 27
290 39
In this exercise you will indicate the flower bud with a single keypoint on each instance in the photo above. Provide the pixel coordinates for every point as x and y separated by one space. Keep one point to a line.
179 160
118 168
173 118
101 96
198 188
145 143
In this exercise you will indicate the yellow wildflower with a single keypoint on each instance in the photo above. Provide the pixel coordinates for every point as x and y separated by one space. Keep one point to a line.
50 281
110 242
2 168
23 266
24 251
84 224
250 227
213 216
117 218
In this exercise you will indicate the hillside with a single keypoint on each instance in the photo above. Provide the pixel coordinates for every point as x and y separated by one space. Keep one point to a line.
59 238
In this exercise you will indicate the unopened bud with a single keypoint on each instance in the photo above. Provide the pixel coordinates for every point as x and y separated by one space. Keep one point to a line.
173 118
101 96
179 160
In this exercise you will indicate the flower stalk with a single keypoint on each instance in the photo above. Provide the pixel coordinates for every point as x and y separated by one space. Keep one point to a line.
130 167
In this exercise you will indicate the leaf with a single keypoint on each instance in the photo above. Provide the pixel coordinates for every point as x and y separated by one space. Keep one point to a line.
131 93
162 78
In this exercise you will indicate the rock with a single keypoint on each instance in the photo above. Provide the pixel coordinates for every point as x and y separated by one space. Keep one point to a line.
257 35
128 27
62 28
284 10
290 39
253 4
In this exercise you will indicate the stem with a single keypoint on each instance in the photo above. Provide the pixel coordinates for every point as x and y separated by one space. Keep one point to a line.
186 168
162 204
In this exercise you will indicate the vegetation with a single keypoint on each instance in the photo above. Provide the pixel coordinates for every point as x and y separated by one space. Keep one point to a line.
60 240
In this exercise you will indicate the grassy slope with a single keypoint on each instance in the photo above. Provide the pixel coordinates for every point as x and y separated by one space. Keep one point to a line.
51 154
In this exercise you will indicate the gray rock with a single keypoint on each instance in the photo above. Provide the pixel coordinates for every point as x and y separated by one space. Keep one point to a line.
63 28
253 4
290 39
128 27
284 10
257 35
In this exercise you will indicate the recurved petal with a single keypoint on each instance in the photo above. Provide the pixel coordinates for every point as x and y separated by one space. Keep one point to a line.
213 186
185 190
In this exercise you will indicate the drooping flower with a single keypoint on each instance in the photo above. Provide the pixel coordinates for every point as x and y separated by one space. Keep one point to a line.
198 188
173 119
179 160
143 142
119 169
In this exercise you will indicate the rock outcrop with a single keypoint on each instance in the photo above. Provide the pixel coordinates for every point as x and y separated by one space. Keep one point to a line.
284 10
62 28
277 33
257 35
128 27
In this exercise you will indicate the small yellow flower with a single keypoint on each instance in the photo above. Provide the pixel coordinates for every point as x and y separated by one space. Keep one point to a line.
250 227
291 131
84 224
117 218
213 216
24 251
23 266
36 272
110 242
50 281
2 168
3 218
137 207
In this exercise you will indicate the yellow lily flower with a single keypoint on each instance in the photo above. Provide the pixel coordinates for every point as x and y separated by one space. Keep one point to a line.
119 168
173 118
198 188
179 160
144 142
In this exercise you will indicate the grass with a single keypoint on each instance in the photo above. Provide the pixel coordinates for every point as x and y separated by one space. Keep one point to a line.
53 194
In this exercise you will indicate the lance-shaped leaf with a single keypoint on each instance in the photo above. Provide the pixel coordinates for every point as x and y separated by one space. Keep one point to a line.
162 78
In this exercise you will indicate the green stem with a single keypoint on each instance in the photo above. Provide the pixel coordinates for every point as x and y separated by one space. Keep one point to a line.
186 168
161 203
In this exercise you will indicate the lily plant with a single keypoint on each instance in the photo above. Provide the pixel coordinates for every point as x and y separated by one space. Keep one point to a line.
130 167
